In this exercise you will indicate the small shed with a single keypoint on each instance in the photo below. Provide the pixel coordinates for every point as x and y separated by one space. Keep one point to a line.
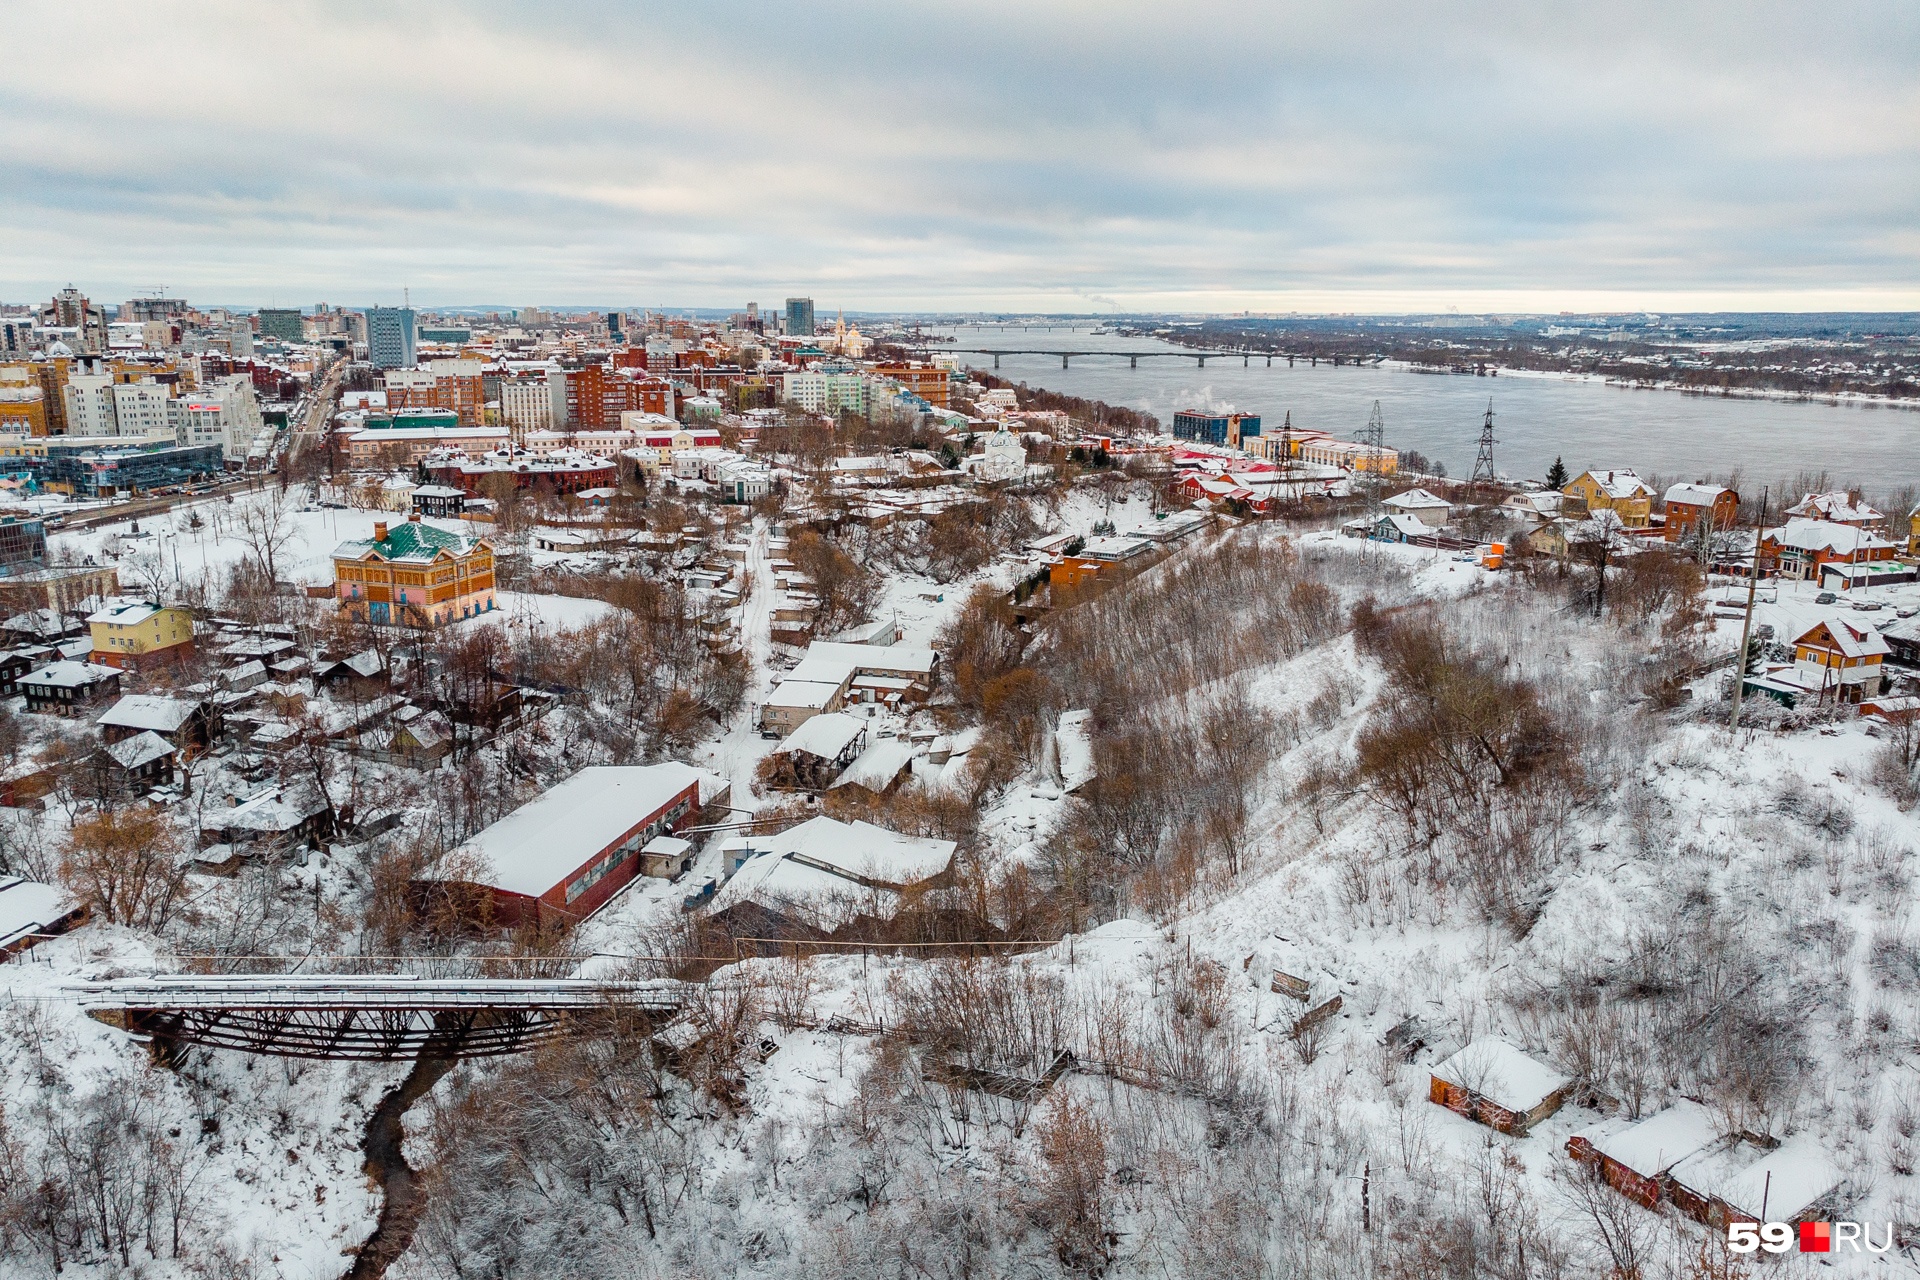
666 857
813 755
1635 1158
1494 1083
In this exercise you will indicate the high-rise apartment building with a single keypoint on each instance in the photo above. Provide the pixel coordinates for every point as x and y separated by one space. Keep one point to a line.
390 337
444 384
282 323
70 309
90 409
140 408
800 317
225 412
526 404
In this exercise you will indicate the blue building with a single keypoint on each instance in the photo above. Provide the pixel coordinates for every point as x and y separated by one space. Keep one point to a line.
1227 429
92 472
800 317
390 337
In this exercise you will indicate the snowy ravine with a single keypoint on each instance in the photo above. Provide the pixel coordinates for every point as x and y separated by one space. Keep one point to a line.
1193 1133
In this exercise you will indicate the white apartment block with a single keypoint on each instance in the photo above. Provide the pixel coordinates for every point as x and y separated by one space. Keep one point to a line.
224 412
818 392
140 408
89 399
526 404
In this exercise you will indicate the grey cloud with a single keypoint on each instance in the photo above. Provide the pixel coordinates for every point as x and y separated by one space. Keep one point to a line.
1241 155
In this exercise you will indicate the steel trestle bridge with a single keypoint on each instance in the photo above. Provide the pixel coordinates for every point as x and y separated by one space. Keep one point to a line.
379 1017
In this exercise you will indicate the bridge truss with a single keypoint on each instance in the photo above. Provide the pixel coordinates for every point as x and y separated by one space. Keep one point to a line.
381 1017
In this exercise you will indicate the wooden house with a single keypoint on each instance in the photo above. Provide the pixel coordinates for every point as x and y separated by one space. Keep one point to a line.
63 688
1617 490
31 912
1495 1084
1836 658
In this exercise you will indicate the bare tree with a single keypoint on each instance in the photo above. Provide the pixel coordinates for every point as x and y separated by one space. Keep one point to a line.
265 525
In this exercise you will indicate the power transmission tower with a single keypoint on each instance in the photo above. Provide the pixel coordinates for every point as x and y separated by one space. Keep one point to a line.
1374 439
1483 461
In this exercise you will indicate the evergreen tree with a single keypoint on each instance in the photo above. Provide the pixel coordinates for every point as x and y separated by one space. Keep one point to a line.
1557 475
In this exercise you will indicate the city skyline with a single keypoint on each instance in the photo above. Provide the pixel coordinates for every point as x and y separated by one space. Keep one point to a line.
1371 159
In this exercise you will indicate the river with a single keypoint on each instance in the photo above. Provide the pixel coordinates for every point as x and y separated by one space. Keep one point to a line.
1536 419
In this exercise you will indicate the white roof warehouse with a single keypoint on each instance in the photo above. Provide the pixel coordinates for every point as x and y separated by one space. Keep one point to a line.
569 851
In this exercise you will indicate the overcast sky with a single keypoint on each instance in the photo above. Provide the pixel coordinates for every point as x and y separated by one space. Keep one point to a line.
1065 157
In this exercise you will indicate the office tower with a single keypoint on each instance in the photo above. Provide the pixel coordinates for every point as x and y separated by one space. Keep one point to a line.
800 317
390 337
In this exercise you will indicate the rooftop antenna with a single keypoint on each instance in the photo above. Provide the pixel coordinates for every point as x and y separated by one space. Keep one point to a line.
1483 461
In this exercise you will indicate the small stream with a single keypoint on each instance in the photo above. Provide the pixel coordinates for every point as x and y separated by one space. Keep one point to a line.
385 1143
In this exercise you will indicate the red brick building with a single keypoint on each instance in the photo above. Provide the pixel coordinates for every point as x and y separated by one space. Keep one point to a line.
1687 505
563 856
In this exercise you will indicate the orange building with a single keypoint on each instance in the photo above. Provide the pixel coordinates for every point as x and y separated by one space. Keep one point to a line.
414 575
929 383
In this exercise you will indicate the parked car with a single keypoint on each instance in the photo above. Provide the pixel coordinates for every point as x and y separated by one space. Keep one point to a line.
1825 597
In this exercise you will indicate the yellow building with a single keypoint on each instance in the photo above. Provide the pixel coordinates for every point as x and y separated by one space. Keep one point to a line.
23 409
1619 491
1913 532
131 633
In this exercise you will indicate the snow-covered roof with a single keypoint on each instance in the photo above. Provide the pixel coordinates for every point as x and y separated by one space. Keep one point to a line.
826 869
69 675
1836 506
825 736
1657 1143
1416 500
865 658
534 847
877 766
124 613
1620 484
667 847
1852 641
1073 738
803 694
1501 1074
277 809
143 748
1696 495
1825 535
1407 525
1781 1184
27 907
147 711
815 669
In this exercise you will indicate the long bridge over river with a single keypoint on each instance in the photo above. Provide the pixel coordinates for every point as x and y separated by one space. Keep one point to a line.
1133 358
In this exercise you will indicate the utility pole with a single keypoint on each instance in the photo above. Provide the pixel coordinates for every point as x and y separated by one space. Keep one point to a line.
1483 461
1746 628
